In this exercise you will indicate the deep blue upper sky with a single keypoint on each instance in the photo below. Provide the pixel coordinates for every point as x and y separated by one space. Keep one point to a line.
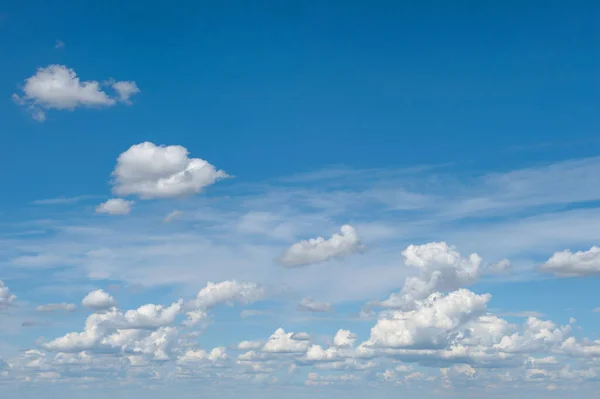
276 87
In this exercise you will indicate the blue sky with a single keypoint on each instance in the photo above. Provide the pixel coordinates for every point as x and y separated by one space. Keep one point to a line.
300 199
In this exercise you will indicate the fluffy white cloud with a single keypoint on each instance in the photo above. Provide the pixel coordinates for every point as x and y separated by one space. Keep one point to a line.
248 345
568 264
151 171
125 89
319 249
146 316
59 87
344 338
441 268
282 342
431 324
537 335
309 305
194 357
98 300
228 292
115 206
53 307
6 298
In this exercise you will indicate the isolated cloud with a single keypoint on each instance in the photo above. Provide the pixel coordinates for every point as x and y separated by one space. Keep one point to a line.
54 307
569 264
151 171
309 305
6 298
59 87
500 267
172 216
115 206
99 300
317 250
441 268
125 89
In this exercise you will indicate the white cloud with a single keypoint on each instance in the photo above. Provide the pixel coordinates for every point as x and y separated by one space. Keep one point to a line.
125 89
568 264
309 305
431 323
195 357
59 44
152 171
317 250
248 345
98 300
6 298
441 268
115 206
282 342
344 338
59 87
53 307
228 292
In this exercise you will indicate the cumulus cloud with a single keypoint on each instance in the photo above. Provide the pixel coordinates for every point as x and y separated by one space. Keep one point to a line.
224 292
98 300
317 250
282 342
59 87
344 338
441 268
54 307
228 292
569 264
309 305
431 324
125 89
151 171
6 298
115 206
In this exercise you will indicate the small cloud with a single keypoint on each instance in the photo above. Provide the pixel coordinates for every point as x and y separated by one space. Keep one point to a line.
318 250
172 216
59 44
597 310
115 206
308 305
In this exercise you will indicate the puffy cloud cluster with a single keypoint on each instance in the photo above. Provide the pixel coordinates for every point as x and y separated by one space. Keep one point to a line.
282 342
6 298
317 250
59 87
431 324
441 268
152 171
570 264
